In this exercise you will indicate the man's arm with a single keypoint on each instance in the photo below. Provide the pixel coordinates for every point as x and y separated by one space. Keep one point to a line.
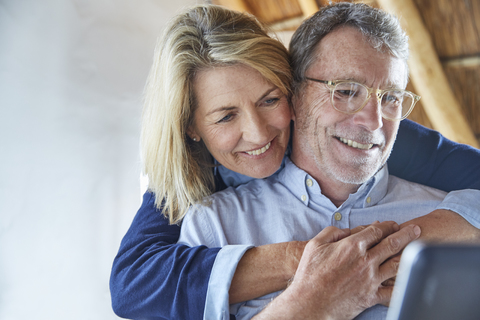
339 275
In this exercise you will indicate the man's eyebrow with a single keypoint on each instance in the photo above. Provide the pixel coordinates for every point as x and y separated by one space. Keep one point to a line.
389 85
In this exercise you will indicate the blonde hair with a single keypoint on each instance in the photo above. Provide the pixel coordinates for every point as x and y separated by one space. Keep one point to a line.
179 170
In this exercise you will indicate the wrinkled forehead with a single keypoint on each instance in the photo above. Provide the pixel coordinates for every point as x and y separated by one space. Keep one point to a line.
346 54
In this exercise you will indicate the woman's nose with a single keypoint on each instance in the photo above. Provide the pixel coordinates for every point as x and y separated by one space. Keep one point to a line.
255 128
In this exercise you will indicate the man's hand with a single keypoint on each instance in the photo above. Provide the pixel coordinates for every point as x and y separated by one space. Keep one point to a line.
339 275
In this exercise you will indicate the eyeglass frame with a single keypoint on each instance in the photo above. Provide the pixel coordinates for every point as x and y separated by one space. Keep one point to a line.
331 84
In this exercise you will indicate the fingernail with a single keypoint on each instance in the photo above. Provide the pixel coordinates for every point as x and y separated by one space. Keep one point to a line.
417 230
396 227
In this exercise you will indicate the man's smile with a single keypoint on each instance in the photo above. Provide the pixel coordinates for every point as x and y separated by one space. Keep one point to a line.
355 144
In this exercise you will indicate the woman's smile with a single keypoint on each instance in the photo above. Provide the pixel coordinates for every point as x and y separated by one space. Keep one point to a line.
259 151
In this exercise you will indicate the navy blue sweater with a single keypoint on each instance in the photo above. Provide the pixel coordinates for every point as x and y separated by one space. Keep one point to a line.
154 278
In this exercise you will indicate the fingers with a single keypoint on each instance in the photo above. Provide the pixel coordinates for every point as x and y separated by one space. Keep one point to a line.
388 270
371 235
358 229
384 295
389 282
395 243
331 234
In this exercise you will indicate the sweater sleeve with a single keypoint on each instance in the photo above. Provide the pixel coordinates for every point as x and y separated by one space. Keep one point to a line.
153 277
424 156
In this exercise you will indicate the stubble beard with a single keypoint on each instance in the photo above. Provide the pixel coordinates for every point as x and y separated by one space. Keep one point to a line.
348 169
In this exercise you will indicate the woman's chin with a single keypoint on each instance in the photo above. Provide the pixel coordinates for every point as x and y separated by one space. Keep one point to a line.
260 172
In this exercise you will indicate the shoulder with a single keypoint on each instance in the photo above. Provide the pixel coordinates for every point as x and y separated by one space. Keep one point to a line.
409 189
246 192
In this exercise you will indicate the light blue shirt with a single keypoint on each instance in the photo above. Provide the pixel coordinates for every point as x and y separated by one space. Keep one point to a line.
289 206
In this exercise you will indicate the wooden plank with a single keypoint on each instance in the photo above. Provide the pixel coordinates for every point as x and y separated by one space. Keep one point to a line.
418 114
271 11
428 77
452 25
464 79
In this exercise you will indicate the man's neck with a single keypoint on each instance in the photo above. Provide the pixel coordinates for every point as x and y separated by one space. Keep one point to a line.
338 192
331 187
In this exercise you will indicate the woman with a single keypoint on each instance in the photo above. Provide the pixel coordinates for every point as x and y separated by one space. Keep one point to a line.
150 274
176 158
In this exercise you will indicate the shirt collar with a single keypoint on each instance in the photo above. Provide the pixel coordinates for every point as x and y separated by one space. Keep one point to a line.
234 179
369 193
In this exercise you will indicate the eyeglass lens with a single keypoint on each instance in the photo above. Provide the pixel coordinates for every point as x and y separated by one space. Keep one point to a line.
349 97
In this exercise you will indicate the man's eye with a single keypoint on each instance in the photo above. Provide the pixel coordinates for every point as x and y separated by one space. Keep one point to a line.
347 93
391 98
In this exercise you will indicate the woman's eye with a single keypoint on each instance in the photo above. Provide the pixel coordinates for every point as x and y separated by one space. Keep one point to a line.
271 101
227 118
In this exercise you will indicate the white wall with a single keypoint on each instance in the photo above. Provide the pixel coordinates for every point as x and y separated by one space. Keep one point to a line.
71 78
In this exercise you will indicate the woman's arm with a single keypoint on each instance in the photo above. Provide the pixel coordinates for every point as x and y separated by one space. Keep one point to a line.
424 156
152 277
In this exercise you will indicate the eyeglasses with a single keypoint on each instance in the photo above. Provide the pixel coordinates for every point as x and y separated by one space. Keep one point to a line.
350 97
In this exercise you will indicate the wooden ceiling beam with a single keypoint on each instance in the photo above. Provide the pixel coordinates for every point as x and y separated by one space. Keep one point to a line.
309 7
238 5
426 72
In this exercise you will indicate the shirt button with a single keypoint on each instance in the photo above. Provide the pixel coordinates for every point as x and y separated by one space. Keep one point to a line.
309 182
338 216
369 199
304 198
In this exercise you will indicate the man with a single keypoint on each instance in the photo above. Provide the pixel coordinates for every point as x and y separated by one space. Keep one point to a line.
349 98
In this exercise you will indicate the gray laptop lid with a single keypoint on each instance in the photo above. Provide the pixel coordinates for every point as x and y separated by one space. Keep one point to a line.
440 282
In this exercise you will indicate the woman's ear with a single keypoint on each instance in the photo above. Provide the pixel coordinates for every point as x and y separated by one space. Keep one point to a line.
193 134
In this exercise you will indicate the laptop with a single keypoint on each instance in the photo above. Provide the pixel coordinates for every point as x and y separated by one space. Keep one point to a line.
440 282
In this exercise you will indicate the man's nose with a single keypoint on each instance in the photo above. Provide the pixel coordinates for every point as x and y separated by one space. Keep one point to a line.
255 128
370 116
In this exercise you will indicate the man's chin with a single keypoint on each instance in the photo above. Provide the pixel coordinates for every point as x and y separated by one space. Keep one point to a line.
356 174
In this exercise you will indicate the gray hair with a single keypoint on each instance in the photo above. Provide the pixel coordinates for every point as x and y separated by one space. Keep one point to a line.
382 30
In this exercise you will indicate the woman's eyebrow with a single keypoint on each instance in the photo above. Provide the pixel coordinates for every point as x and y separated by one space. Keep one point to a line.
220 109
267 93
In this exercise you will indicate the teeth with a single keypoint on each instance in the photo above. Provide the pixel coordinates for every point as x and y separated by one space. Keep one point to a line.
259 151
355 144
